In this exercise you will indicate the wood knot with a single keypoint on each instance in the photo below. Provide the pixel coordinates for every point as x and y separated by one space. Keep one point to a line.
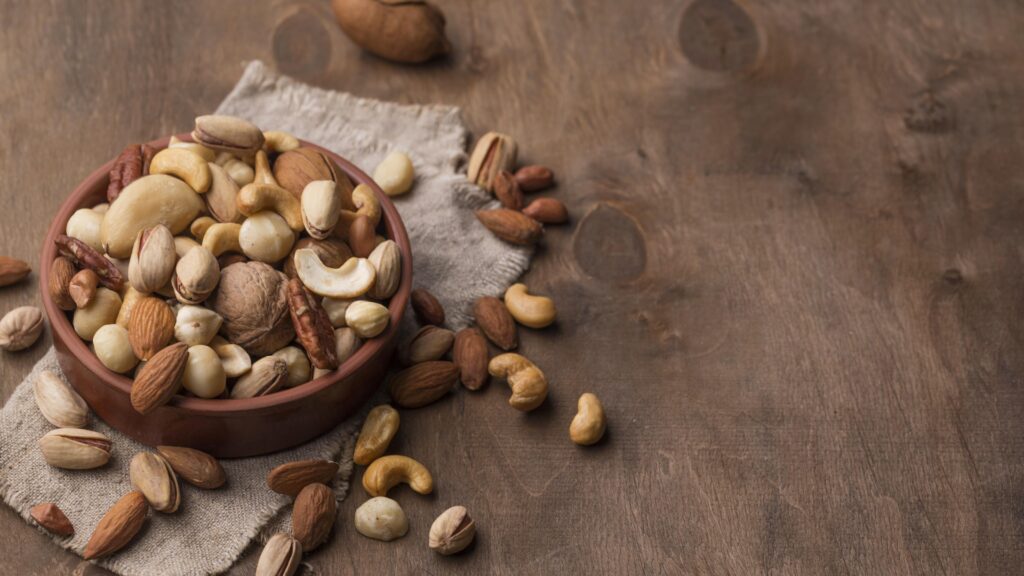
719 36
928 114
302 46
609 245
952 277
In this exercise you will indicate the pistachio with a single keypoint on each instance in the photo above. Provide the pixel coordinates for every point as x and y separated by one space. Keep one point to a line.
281 556
233 358
452 531
85 225
394 174
188 166
221 197
196 325
152 476
20 328
493 153
228 133
146 202
101 311
196 276
153 258
321 208
430 343
381 518
367 319
387 261
204 374
267 375
58 402
335 309
83 287
300 370
75 449
112 346
265 237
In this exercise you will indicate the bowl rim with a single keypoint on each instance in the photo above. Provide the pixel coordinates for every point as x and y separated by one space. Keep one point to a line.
62 328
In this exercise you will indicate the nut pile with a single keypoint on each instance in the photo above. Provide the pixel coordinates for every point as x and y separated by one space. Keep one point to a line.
234 265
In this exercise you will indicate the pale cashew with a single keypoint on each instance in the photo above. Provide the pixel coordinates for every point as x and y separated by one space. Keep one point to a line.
199 227
528 310
277 141
379 429
206 153
238 170
256 197
588 425
185 164
529 387
262 172
100 209
367 204
386 472
182 244
353 279
222 237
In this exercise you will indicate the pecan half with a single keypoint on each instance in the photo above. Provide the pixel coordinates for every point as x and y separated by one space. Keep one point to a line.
127 168
87 257
147 157
312 326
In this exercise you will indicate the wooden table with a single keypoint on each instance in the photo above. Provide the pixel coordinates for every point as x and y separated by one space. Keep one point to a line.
794 273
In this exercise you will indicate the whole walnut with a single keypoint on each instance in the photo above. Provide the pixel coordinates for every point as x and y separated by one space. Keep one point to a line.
251 298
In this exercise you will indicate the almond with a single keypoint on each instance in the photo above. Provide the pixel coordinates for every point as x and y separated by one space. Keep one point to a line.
495 320
193 466
49 516
428 310
547 211
534 178
506 190
470 355
118 526
423 384
511 226
313 515
61 272
160 378
361 236
290 478
150 327
12 271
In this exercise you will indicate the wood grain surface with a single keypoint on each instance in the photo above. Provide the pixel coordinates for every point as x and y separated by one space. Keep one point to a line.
794 272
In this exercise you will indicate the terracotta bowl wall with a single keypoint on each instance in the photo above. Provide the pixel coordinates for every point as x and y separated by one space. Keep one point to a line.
226 428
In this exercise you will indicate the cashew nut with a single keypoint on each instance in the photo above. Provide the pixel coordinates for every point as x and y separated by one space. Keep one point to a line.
379 429
182 244
529 387
206 153
185 164
100 209
238 170
256 197
367 204
528 310
386 472
222 237
262 172
199 227
394 174
277 141
353 279
588 424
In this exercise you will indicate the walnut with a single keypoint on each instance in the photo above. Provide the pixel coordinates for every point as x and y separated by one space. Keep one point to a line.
253 301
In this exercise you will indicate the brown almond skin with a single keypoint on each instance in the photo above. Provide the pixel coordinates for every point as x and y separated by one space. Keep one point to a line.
160 378
12 270
428 310
506 190
511 226
410 32
193 466
290 478
547 211
361 236
534 178
150 327
50 516
470 355
313 515
62 270
495 320
423 384
118 526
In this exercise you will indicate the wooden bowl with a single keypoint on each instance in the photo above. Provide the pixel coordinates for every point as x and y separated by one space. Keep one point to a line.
226 428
